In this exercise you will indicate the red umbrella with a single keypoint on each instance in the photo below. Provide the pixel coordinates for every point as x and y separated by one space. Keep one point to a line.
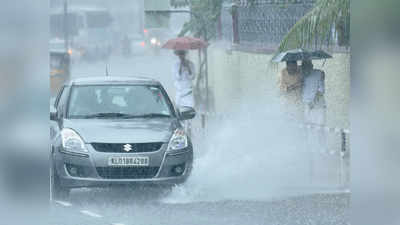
185 43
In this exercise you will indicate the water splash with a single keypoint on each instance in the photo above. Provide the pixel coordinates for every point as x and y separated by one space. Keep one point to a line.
255 157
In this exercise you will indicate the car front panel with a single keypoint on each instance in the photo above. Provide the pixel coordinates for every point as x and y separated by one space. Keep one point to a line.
93 169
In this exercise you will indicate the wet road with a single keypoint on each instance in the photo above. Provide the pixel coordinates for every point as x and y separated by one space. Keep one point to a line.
217 194
147 207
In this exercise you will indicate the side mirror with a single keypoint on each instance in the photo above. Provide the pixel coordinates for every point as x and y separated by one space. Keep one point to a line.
187 113
53 113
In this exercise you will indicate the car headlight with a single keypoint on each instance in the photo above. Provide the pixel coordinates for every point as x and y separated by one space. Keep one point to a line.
178 140
72 142
153 41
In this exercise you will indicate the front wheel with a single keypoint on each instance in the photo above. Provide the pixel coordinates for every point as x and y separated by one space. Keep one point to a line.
57 192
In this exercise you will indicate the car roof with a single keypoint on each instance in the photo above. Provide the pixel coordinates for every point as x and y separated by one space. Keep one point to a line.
105 80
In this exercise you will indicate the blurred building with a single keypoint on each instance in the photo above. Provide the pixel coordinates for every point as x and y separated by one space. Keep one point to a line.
127 14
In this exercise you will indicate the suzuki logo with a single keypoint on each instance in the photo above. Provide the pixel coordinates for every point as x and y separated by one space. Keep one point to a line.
127 147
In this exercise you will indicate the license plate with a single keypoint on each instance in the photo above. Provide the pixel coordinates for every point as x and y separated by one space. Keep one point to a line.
128 161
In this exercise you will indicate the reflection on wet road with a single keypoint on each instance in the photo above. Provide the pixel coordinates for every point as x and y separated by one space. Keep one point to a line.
146 206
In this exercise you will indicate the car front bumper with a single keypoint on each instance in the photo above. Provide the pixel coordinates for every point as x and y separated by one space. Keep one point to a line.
164 161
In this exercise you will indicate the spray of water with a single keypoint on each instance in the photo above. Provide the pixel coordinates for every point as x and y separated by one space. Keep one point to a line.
256 154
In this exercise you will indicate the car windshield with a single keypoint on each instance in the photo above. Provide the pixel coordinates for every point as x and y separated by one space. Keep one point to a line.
118 101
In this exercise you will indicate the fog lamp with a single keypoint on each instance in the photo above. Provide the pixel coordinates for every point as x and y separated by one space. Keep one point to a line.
178 170
73 171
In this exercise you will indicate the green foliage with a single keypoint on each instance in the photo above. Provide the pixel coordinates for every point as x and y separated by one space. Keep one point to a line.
204 19
316 27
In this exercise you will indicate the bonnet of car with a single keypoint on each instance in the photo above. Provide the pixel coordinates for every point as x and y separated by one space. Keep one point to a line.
123 131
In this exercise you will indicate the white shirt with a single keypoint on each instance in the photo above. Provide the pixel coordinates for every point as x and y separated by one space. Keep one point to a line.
184 84
184 80
313 83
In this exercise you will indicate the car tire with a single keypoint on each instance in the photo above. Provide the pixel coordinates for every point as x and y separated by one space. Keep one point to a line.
57 192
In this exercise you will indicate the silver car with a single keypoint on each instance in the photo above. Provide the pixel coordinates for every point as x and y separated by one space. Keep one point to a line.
117 131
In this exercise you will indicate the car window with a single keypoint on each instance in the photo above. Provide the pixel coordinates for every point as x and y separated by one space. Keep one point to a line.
130 100
61 103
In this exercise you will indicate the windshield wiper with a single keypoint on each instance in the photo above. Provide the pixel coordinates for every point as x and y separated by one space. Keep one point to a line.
152 115
126 116
109 115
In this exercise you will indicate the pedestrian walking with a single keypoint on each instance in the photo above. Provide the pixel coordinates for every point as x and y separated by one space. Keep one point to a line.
290 85
184 71
314 102
184 74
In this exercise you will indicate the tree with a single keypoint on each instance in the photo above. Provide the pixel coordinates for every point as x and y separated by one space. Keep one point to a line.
317 28
205 17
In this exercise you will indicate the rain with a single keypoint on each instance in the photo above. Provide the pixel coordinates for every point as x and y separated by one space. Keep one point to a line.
253 161
199 112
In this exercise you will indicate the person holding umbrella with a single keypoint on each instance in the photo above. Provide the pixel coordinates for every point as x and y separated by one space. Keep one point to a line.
184 74
314 103
313 93
309 83
312 90
184 70
290 84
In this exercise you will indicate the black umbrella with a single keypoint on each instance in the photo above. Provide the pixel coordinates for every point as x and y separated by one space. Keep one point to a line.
300 54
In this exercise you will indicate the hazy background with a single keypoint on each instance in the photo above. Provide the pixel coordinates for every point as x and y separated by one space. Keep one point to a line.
375 112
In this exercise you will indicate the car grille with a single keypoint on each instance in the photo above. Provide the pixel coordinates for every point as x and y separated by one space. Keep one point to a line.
134 147
127 172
